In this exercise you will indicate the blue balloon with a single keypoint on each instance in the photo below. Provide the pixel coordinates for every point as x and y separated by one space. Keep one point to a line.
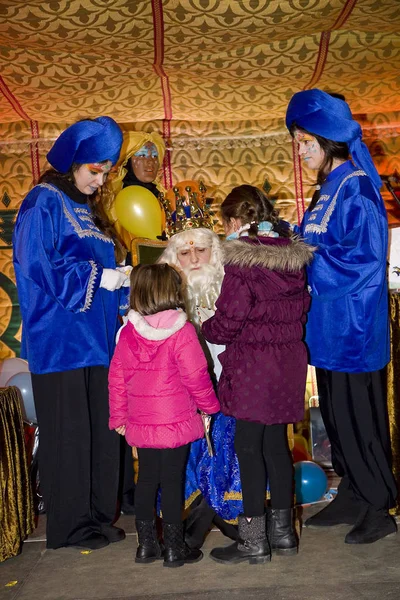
311 482
23 382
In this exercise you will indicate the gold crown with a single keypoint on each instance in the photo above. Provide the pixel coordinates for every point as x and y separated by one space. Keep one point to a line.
190 212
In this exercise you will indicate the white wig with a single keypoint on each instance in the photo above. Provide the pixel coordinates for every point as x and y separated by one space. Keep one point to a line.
202 286
202 238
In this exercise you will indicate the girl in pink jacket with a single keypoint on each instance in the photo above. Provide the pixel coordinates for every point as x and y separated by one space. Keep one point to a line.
158 381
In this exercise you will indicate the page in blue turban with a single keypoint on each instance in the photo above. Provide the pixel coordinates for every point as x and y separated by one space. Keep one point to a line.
321 114
88 141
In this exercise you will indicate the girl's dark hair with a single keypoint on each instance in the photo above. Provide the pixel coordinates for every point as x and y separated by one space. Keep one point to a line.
155 288
331 150
95 203
251 205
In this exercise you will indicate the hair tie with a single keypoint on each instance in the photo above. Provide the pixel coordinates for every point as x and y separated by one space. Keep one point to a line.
265 229
242 231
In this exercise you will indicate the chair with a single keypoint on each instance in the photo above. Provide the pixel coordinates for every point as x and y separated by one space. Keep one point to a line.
145 251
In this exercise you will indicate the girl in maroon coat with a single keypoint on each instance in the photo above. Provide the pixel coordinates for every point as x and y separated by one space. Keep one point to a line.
260 318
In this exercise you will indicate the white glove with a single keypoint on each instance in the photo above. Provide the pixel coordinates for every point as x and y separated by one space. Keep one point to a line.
126 270
112 279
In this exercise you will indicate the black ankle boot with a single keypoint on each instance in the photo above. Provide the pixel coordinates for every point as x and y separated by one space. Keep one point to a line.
281 531
343 509
252 545
149 548
177 552
371 526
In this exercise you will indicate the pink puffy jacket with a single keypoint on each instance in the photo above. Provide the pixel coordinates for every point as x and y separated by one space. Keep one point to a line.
158 379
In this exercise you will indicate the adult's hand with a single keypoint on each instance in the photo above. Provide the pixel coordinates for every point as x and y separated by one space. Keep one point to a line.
112 279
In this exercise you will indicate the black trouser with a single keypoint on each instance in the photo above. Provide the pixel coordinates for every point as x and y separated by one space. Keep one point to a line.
164 468
354 411
263 453
78 455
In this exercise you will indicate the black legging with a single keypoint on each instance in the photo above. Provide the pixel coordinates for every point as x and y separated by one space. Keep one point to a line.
263 453
164 468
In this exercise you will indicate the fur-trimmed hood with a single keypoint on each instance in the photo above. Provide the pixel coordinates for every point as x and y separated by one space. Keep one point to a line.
147 334
157 327
276 254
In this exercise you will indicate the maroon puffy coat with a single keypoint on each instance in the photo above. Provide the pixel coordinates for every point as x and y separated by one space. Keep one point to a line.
260 318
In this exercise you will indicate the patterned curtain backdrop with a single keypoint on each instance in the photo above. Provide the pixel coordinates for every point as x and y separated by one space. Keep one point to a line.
193 59
221 154
212 76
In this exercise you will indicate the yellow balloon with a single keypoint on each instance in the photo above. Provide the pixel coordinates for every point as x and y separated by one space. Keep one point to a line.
139 211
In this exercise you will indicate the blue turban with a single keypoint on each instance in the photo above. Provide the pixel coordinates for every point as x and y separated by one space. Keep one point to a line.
86 142
321 114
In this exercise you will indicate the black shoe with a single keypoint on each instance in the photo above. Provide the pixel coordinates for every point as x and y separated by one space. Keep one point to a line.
177 552
112 533
371 526
281 531
149 548
252 545
94 541
344 509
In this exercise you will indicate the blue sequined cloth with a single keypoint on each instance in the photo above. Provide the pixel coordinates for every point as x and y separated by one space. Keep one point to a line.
217 478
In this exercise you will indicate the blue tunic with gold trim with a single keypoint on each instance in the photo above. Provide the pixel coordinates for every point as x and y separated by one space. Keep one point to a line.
59 255
348 327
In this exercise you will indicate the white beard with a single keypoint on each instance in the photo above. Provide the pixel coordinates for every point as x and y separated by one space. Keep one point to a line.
203 287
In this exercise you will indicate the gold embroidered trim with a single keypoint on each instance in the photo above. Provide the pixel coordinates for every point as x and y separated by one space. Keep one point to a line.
191 498
90 286
82 233
238 495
